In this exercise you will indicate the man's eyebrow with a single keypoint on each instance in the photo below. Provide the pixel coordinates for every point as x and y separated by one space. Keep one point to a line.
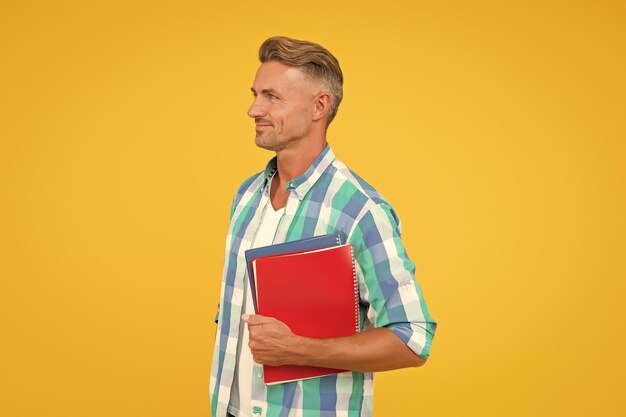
265 91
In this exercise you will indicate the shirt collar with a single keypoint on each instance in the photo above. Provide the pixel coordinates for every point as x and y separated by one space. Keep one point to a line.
302 184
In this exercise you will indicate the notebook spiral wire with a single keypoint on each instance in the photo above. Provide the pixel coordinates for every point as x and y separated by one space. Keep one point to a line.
356 291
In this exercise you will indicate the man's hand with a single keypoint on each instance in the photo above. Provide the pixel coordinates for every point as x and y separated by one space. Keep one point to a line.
271 341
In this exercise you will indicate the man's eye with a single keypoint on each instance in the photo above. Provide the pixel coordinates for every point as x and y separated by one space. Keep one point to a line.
272 97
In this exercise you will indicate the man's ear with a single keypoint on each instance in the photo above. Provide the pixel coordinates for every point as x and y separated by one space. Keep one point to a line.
321 105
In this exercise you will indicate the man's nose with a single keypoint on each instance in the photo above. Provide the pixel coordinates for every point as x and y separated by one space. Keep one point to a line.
255 109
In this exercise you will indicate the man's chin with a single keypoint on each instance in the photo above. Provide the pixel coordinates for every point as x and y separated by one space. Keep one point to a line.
264 143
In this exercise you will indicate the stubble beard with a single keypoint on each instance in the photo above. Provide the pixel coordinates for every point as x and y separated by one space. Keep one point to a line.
271 142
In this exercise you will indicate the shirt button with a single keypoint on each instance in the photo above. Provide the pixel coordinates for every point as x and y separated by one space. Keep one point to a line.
259 375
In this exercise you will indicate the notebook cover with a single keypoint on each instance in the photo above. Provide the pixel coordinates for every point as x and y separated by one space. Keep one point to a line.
316 242
314 293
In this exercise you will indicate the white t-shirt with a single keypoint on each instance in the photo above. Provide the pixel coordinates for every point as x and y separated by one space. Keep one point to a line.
241 394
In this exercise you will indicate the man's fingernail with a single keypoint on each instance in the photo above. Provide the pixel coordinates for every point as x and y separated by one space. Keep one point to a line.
245 317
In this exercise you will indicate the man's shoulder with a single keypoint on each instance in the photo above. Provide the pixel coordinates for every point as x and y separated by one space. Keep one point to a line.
353 184
359 197
249 185
362 202
249 182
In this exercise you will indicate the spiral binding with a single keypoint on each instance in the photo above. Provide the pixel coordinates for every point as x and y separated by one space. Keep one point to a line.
356 290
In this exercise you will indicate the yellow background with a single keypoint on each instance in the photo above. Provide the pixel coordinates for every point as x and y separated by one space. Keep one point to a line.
496 130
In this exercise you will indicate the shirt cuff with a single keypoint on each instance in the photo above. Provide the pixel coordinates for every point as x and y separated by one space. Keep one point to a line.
417 336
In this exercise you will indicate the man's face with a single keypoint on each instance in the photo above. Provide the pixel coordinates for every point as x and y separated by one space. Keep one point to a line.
282 106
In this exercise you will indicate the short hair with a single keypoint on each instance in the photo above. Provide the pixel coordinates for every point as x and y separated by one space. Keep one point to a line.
313 59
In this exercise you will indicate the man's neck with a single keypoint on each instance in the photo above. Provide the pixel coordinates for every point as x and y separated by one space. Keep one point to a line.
292 163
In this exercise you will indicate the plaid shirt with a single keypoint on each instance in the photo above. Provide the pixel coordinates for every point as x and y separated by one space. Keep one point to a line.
327 198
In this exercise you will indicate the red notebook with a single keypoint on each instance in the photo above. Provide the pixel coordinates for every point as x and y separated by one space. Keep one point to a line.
315 293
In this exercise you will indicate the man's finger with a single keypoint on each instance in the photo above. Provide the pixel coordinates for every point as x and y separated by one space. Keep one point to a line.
255 319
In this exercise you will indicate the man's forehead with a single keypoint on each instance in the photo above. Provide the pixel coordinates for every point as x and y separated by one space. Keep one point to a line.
278 76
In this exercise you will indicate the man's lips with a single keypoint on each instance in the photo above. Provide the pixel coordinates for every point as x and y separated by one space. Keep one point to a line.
261 126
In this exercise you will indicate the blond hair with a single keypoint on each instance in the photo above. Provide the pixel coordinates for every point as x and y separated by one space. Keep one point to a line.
313 59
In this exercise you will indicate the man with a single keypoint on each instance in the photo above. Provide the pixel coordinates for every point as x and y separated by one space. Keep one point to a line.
303 192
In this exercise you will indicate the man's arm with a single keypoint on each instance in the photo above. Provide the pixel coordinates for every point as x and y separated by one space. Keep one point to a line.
400 330
273 343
